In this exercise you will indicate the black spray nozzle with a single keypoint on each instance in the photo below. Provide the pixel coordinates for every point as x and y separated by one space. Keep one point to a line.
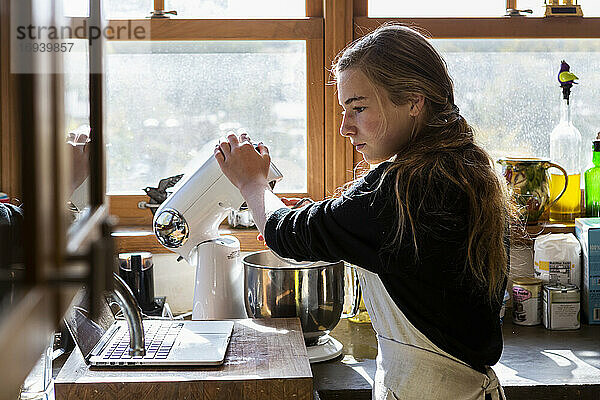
566 89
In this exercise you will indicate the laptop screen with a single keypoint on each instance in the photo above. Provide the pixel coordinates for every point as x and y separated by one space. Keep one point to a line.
85 331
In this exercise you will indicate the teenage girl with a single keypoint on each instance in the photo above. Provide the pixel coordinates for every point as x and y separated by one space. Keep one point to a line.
427 225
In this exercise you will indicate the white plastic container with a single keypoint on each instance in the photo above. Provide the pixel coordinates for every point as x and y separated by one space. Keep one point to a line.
557 259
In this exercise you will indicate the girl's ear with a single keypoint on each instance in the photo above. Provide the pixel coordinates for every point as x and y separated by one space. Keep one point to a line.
416 105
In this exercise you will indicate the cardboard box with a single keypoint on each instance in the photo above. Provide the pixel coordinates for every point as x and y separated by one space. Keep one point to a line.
587 230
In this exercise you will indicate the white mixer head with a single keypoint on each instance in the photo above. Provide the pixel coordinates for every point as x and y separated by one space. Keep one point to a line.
200 201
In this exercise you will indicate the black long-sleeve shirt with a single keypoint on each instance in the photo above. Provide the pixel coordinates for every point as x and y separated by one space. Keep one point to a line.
11 226
434 290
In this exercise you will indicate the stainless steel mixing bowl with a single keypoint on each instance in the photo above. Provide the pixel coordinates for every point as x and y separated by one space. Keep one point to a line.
313 292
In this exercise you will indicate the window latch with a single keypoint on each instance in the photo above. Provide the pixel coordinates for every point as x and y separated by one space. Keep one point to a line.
511 12
143 204
161 14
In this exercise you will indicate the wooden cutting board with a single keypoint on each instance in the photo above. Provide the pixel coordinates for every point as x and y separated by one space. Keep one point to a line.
266 359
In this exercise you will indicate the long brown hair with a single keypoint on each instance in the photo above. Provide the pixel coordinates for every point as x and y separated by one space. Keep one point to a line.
402 62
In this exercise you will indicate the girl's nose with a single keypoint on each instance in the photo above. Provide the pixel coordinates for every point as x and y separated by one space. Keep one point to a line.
346 128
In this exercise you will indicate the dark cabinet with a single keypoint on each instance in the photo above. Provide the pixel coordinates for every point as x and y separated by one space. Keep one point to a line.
58 253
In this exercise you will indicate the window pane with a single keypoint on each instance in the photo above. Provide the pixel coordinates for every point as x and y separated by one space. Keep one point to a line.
112 8
464 8
169 102
516 106
194 8
437 8
76 81
77 121
237 8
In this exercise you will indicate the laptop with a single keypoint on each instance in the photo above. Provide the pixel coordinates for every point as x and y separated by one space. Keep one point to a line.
104 341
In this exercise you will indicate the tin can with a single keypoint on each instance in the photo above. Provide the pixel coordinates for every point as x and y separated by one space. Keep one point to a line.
561 307
527 301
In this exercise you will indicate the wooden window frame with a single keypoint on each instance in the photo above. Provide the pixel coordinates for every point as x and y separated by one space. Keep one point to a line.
308 29
134 226
328 27
502 27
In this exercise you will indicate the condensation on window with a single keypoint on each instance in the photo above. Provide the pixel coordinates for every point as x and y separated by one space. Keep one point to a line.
76 85
508 90
237 8
75 74
112 8
168 103
194 8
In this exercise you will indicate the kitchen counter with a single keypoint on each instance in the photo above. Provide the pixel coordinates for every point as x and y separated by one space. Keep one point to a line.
266 359
536 363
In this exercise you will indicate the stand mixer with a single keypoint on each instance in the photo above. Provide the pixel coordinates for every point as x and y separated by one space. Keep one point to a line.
187 223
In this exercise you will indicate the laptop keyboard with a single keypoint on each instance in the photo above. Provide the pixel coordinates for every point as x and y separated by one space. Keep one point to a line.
159 339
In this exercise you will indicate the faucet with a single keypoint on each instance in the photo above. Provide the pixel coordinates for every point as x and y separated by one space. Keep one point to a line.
124 297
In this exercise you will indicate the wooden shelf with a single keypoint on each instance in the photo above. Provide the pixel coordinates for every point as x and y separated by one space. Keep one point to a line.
141 238
546 227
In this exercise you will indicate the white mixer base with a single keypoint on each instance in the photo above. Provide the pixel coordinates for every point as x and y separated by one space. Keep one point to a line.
327 350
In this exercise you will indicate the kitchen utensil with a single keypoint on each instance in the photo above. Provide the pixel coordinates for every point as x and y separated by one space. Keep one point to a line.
137 270
241 218
529 180
187 223
313 292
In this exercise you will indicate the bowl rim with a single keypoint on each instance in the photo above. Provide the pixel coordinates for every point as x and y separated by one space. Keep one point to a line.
309 265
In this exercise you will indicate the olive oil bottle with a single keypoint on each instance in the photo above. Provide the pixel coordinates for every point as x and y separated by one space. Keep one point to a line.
565 150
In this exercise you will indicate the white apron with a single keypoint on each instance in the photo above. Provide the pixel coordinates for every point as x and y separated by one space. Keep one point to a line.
409 365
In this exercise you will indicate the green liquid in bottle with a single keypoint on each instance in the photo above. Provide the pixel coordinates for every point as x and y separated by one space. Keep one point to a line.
592 184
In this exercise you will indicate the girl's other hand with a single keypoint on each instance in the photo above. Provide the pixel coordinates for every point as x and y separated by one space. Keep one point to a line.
260 238
290 201
295 202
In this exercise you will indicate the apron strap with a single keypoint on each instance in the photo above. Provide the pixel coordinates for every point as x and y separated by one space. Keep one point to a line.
491 386
395 354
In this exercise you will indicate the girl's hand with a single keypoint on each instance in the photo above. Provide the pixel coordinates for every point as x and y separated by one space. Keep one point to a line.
242 163
296 202
290 201
260 238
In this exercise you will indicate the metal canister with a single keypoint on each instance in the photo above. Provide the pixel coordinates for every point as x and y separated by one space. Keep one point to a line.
561 307
527 301
137 270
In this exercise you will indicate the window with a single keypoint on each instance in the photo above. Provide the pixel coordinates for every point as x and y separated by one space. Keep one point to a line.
200 74
112 8
76 81
436 8
197 92
508 90
116 9
77 119
505 68
181 90
237 8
